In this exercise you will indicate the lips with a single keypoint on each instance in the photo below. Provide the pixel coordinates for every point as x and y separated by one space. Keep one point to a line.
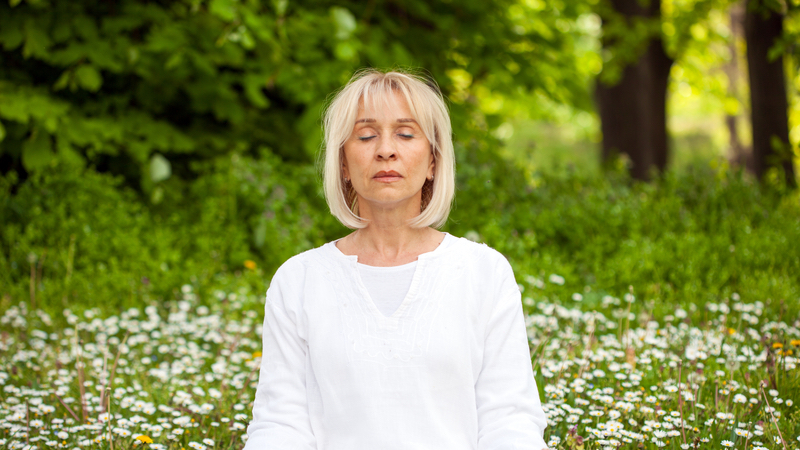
387 174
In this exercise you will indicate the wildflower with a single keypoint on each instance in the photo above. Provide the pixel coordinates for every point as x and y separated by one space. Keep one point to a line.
122 432
555 279
208 441
144 439
795 342
250 264
777 345
727 444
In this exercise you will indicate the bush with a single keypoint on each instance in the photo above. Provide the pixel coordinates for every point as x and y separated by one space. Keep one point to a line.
92 241
688 239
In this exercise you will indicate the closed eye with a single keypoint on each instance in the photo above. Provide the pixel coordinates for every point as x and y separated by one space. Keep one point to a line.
406 136
365 138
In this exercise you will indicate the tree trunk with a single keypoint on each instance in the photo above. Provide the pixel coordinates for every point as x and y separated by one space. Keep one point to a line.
738 154
633 111
769 108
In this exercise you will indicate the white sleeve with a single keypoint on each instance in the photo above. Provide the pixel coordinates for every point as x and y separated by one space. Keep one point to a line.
280 410
510 414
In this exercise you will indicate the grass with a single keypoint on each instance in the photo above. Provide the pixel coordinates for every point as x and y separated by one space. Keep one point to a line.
182 375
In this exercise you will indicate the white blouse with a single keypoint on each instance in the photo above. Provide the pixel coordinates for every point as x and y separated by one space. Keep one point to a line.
448 369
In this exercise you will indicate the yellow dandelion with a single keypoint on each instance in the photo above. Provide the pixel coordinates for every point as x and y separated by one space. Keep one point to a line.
250 264
731 331
777 345
795 342
145 439
256 354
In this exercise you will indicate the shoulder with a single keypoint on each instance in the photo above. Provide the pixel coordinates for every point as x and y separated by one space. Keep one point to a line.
481 263
296 266
479 254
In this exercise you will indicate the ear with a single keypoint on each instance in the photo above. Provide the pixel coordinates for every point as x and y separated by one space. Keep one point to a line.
431 166
345 171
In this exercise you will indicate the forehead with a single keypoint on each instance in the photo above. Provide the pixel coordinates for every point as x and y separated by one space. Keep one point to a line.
384 105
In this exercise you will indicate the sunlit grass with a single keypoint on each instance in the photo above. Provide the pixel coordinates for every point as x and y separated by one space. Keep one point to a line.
183 375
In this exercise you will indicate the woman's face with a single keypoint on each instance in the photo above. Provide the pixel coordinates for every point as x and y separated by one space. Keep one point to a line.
387 157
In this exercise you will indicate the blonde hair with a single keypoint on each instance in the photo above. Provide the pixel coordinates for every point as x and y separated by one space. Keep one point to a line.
373 88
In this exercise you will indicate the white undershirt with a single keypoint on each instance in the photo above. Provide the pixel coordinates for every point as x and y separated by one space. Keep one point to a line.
388 286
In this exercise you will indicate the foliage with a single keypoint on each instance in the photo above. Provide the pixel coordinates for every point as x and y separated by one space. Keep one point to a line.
80 237
690 238
134 88
694 237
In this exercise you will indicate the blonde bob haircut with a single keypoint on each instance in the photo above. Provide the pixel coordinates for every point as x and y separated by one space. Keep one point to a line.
373 90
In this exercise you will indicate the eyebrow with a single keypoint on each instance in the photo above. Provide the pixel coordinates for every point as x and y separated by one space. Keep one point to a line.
373 121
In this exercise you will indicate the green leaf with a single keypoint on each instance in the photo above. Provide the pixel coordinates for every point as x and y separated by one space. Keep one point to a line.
88 77
160 168
252 89
344 20
247 40
344 51
2 132
37 151
280 6
10 34
224 9
36 39
260 232
63 80
14 3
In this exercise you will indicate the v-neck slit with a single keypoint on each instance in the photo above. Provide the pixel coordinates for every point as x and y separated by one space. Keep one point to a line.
409 297
413 289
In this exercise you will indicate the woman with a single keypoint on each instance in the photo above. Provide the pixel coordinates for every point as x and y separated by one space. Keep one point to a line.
397 336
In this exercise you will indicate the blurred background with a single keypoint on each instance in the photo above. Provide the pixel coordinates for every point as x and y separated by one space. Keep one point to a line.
603 146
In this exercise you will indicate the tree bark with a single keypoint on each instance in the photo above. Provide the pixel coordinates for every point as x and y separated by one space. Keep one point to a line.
738 154
769 106
632 112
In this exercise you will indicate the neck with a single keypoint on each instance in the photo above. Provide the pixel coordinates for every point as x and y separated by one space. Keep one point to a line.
388 232
391 243
388 239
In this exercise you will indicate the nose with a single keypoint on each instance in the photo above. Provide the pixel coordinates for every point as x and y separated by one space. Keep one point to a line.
386 150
